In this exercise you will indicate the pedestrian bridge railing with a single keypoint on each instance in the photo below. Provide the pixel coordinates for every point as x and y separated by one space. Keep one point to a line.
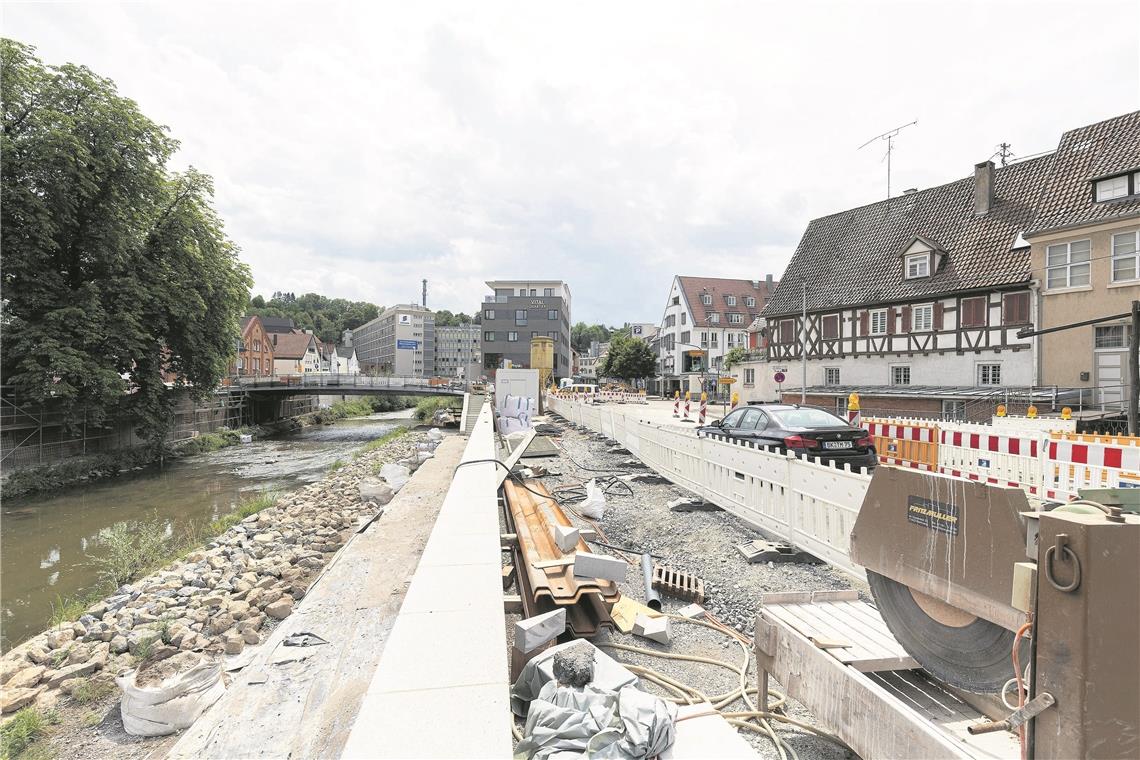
332 382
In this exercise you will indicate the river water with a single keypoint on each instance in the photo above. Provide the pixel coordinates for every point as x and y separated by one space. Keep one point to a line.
48 542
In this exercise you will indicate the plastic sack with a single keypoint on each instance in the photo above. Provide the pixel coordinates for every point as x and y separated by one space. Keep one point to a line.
594 507
435 435
396 475
172 705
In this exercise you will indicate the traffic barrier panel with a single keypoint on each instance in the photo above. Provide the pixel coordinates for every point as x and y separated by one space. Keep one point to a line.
1105 463
905 442
983 453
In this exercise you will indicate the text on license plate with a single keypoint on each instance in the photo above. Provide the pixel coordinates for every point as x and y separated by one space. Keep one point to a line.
837 444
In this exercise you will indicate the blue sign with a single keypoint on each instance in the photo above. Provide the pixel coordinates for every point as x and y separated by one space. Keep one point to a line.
412 344
983 463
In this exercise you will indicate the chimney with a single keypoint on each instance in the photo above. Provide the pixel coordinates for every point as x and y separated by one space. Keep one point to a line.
768 284
910 191
983 188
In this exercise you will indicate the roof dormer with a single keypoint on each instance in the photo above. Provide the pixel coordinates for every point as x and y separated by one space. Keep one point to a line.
921 258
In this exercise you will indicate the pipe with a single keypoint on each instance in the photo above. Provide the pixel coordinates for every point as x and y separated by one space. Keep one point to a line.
652 598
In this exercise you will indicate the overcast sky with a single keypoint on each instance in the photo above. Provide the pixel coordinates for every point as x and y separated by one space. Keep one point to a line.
359 147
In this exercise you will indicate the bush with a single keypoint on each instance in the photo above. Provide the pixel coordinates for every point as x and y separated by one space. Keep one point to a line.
132 549
376 443
427 407
24 728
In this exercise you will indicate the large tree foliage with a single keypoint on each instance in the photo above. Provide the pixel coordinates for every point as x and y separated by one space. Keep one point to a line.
581 335
115 271
444 318
328 318
628 359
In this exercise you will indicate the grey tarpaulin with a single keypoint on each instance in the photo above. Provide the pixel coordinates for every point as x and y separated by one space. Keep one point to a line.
609 718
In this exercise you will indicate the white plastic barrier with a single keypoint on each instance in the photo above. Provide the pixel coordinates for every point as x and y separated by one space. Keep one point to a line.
1035 424
808 504
1071 465
990 455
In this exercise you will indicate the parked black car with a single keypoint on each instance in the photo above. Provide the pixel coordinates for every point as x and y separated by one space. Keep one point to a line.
806 431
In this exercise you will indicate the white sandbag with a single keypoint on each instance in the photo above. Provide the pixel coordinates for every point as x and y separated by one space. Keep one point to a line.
594 506
396 475
508 425
172 705
435 435
375 490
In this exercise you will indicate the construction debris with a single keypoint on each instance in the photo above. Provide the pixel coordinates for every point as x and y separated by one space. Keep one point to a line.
653 628
773 551
692 505
574 665
669 580
627 610
533 632
589 565
692 611
566 537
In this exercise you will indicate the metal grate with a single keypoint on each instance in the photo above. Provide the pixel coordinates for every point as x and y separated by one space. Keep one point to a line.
668 580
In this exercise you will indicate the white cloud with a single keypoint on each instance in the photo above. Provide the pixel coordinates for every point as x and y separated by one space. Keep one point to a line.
360 147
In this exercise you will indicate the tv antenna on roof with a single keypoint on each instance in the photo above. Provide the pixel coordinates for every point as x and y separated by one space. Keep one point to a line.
888 136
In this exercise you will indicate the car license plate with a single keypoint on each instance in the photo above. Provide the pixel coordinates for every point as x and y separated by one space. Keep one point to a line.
837 444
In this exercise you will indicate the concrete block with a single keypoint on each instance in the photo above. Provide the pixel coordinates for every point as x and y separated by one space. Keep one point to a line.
652 628
566 537
692 611
588 534
587 565
532 633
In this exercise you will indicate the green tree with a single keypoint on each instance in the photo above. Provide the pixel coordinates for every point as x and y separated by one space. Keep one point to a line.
582 334
628 359
735 356
115 271
328 318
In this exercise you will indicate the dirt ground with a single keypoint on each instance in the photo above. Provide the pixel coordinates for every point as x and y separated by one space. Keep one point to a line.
701 543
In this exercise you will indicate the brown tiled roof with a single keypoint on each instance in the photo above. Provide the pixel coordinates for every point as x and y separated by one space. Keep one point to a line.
718 287
853 257
1093 152
291 345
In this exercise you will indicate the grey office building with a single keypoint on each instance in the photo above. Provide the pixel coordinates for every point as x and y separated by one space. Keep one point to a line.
401 341
457 352
520 310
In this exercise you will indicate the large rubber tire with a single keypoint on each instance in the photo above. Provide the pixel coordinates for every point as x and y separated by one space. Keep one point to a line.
974 657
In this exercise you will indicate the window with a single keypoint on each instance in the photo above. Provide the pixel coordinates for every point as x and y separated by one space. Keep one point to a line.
922 318
787 331
733 419
548 292
685 336
553 334
879 322
1113 187
512 336
1068 264
676 300
1126 256
1015 309
900 374
522 291
520 316
533 334
917 265
684 318
731 339
713 339
704 340
670 320
736 319
489 336
714 318
831 326
750 302
488 314
1109 336
953 410
973 312
730 300
831 375
749 377
552 314
533 292
706 299
989 374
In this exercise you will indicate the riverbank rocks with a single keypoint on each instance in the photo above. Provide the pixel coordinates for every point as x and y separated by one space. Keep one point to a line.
221 598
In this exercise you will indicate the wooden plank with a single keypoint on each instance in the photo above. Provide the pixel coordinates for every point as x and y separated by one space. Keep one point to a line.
873 721
515 455
865 622
803 619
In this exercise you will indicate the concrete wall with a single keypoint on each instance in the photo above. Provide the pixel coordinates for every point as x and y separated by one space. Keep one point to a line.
1065 355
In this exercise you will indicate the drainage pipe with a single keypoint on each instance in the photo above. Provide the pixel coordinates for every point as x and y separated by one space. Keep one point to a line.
652 598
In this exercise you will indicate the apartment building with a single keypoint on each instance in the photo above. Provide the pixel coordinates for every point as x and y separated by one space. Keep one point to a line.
457 352
255 350
705 318
1085 243
401 341
520 310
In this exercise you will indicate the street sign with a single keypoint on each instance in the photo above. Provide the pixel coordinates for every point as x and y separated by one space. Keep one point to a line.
412 344
779 377
695 353
727 380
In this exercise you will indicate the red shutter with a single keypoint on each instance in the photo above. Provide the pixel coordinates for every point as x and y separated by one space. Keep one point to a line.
891 321
906 323
938 315
864 323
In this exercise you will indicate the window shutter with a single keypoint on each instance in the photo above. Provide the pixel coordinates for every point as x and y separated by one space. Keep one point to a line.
906 323
864 323
891 320
938 315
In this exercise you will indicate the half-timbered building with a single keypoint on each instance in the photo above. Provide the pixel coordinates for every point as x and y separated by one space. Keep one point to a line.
915 301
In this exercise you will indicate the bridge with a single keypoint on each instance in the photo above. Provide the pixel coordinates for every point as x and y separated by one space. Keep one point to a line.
345 385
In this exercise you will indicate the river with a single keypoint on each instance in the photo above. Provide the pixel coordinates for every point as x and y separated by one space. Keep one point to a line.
48 542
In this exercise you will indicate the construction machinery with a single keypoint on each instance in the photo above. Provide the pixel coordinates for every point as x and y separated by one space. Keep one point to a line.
971 578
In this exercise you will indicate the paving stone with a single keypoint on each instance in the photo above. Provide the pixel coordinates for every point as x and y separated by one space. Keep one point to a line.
531 633
566 537
652 628
589 565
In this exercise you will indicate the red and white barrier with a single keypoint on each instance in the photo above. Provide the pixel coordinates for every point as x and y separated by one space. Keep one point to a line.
989 455
1072 465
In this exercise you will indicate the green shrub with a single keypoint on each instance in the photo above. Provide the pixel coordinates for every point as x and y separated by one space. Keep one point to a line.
18 734
131 549
376 443
67 609
92 690
336 465
427 407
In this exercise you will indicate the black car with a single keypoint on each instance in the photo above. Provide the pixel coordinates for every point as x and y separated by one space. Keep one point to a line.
806 431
